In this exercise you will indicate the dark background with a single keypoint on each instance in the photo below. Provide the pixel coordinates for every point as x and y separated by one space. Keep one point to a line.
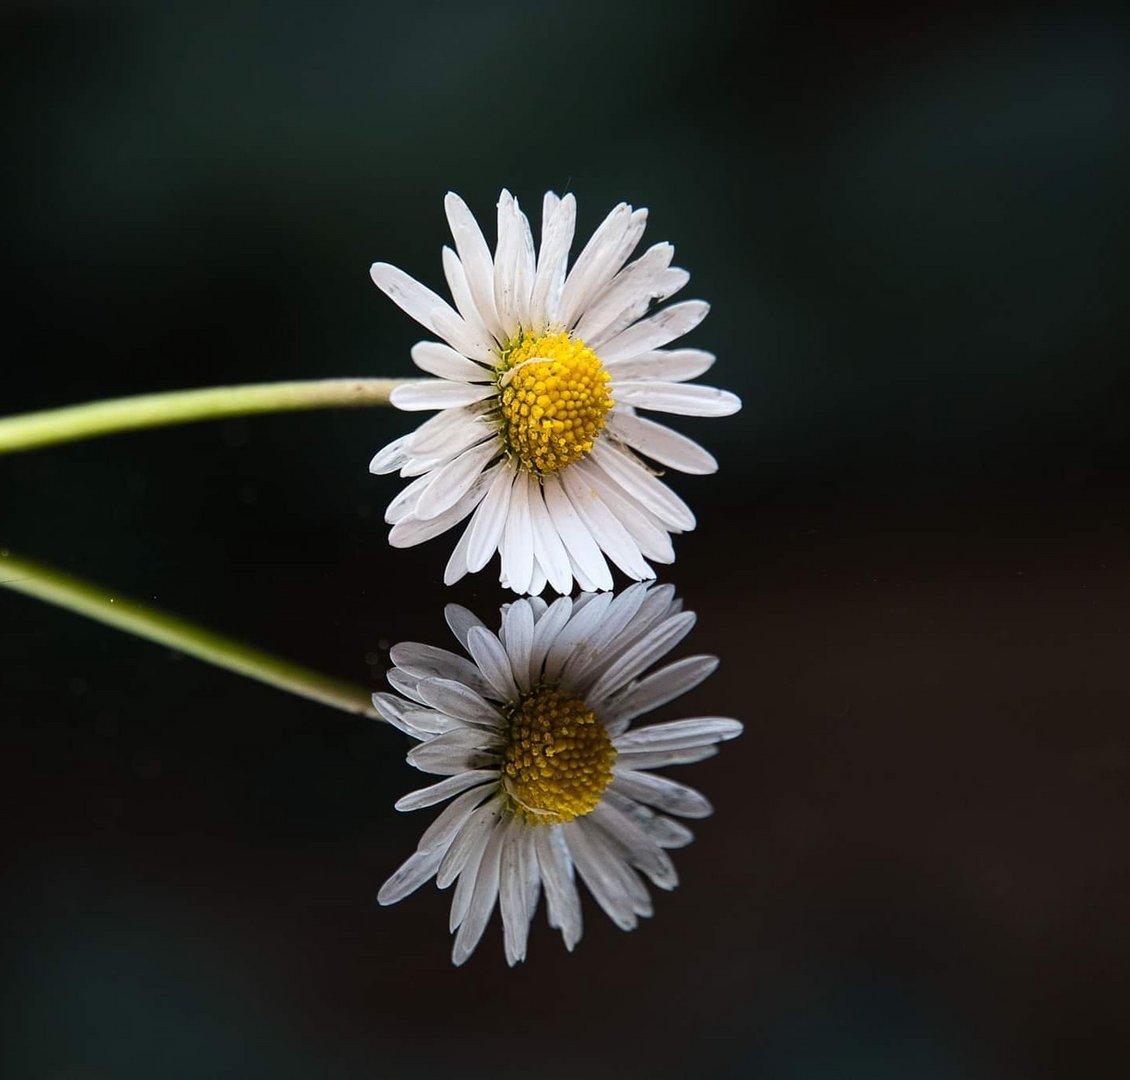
914 562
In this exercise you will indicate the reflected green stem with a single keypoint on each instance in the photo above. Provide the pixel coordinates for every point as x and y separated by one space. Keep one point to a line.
83 598
30 430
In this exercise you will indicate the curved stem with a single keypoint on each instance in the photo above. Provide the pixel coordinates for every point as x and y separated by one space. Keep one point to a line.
101 605
31 430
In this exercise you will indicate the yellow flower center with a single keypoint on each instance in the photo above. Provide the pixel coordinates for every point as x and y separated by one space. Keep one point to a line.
553 398
558 758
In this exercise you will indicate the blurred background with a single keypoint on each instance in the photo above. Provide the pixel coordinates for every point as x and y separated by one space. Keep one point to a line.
914 564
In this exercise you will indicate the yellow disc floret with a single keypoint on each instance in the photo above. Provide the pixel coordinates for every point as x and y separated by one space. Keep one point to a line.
553 398
558 758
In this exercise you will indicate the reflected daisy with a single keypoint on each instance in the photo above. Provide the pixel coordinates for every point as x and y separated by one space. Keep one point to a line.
547 779
538 378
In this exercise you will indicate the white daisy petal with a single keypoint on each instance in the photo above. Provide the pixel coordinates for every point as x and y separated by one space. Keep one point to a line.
478 725
411 531
686 399
409 295
489 654
425 723
461 293
603 878
549 280
674 365
644 528
460 621
404 504
599 647
447 434
490 520
428 662
562 899
657 689
391 711
517 542
505 262
430 310
416 870
661 444
391 458
512 895
660 759
587 267
550 201
665 284
640 850
456 568
636 284
439 834
455 751
546 631
620 625
437 394
518 624
656 330
646 615
549 551
447 761
403 683
662 793
453 481
458 334
679 734
660 603
584 285
469 870
443 789
643 654
466 850
641 485
615 539
582 579
459 701
475 257
575 634
525 267
444 362
665 831
613 865
612 538
578 541
528 867
483 899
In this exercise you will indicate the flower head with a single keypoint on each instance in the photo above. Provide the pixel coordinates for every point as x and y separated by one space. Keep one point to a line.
547 778
538 378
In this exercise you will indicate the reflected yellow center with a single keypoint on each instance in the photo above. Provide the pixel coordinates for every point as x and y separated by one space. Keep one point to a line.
558 758
553 398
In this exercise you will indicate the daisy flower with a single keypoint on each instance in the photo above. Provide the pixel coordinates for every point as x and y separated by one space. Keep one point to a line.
547 780
538 378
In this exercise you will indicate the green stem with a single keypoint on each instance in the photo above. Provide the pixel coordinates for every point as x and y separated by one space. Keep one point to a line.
30 430
84 598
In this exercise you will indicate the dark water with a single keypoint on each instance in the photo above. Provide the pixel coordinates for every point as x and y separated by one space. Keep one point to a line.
913 563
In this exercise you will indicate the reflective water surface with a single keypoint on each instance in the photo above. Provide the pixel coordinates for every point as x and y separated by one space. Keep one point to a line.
923 813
